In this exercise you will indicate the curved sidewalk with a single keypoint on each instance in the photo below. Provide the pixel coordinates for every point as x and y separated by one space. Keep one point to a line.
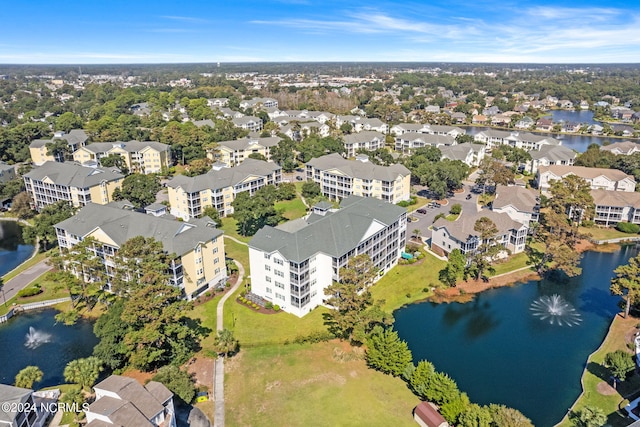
218 372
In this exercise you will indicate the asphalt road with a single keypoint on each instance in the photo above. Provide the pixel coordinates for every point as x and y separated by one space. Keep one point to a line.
13 286
424 221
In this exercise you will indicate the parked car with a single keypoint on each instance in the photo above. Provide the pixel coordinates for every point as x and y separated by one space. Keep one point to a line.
299 178
468 196
422 211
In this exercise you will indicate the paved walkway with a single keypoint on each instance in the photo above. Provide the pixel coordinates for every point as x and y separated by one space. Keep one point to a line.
218 372
235 240
14 285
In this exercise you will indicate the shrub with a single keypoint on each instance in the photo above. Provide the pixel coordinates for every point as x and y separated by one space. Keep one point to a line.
268 305
207 294
30 291
627 227
456 209
440 215
403 204
254 305
276 307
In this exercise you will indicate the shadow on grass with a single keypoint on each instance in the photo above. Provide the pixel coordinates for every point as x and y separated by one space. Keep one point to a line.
599 371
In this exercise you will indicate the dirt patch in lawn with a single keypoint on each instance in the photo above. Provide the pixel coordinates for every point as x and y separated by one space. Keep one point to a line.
605 389
202 368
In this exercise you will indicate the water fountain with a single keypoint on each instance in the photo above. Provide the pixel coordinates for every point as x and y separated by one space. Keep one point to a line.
35 338
556 310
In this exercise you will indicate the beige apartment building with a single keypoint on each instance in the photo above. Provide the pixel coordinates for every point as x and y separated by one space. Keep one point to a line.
199 248
189 196
340 178
140 156
76 184
38 147
232 153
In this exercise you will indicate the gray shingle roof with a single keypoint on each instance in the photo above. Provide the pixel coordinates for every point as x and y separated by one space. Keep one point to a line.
334 234
358 169
462 228
11 395
122 224
616 198
75 136
246 143
72 175
131 146
225 177
523 199
553 153
364 136
585 172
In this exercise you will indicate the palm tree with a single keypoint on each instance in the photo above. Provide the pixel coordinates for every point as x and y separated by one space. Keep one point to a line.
75 399
27 376
83 372
417 233
226 343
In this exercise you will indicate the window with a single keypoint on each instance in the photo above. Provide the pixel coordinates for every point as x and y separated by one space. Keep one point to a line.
216 260
215 250
267 278
267 268
279 285
217 271
278 261
279 273
268 290
267 256
198 260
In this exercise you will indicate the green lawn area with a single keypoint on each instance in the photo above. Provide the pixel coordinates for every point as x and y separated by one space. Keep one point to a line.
406 283
596 373
291 209
311 384
230 227
513 263
239 252
598 233
48 292
420 202
452 217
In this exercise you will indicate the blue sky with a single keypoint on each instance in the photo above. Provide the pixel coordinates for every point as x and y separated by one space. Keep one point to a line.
141 31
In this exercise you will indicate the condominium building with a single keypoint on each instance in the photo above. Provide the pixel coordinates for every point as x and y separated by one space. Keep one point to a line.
292 264
339 178
409 141
122 401
521 204
525 140
76 184
200 260
232 153
38 147
250 123
139 156
218 188
365 140
612 207
598 178
461 234
549 155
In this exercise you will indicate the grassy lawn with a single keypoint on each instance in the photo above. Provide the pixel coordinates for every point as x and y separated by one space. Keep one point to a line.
256 329
420 202
206 313
513 263
595 374
598 233
406 283
238 252
48 292
230 227
310 384
452 217
291 209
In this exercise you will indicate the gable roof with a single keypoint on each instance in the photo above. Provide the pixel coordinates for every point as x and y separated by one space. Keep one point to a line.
364 136
123 224
224 177
462 228
624 147
553 153
334 234
523 199
585 172
359 169
130 147
10 395
245 143
72 175
603 197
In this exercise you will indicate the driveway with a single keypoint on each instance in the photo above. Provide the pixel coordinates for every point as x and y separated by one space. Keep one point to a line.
13 286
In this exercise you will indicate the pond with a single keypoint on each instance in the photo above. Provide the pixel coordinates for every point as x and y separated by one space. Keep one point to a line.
505 347
35 338
13 250
582 116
